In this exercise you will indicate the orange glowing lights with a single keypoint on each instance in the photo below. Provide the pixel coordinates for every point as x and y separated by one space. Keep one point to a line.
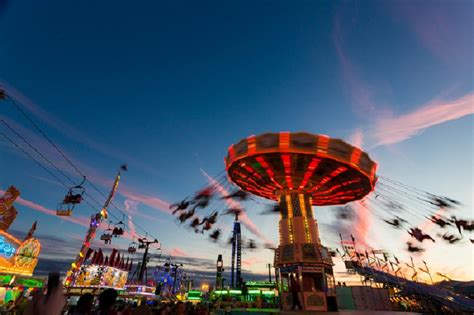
309 172
355 156
287 165
284 140
314 164
323 143
251 145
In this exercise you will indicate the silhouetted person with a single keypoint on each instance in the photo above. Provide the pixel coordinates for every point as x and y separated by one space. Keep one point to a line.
450 238
239 194
295 289
215 235
84 304
180 308
211 219
106 302
232 211
252 244
414 249
439 221
395 223
180 206
419 235
143 309
194 223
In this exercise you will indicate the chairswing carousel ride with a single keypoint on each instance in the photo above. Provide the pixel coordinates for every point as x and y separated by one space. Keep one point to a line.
296 171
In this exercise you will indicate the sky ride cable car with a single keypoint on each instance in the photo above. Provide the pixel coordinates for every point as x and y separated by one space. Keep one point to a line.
72 198
107 235
132 247
119 228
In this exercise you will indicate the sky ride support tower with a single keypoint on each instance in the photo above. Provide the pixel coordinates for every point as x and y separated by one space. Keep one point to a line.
299 170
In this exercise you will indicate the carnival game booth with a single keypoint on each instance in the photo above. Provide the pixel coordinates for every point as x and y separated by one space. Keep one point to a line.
101 272
18 258
262 292
138 292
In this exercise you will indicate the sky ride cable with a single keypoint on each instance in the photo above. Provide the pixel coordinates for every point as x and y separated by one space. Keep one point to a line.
39 164
39 130
20 109
49 162
60 181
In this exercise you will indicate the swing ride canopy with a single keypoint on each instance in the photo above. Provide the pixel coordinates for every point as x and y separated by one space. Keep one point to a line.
329 170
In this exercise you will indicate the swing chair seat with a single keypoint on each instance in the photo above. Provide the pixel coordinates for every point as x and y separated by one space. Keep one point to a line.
64 212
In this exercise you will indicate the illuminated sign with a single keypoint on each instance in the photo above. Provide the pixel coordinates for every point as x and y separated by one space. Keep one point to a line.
6 249
101 276
21 260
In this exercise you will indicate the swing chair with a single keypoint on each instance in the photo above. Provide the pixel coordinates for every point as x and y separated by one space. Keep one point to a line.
107 235
72 198
132 247
119 228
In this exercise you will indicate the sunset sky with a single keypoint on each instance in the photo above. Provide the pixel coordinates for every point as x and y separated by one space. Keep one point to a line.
166 87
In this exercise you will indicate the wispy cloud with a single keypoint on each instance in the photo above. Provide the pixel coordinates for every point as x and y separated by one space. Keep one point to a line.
252 261
440 28
357 138
131 226
34 206
151 201
176 251
390 130
363 221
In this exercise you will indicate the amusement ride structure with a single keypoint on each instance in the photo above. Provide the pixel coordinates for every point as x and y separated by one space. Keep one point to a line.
236 265
299 170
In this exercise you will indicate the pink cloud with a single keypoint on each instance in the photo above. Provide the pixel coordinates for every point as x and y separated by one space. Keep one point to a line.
440 29
243 217
357 138
392 130
250 262
176 251
131 226
363 221
76 220
151 201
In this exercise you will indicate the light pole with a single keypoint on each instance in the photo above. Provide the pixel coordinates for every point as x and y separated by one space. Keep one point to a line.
269 272
176 266
220 270
144 244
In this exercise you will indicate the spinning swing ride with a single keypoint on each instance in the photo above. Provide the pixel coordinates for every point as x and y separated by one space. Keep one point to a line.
299 170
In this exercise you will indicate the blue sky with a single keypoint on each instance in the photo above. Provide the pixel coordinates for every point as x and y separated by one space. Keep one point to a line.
167 87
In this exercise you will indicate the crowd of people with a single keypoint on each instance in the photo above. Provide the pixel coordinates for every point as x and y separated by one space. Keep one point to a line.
107 303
